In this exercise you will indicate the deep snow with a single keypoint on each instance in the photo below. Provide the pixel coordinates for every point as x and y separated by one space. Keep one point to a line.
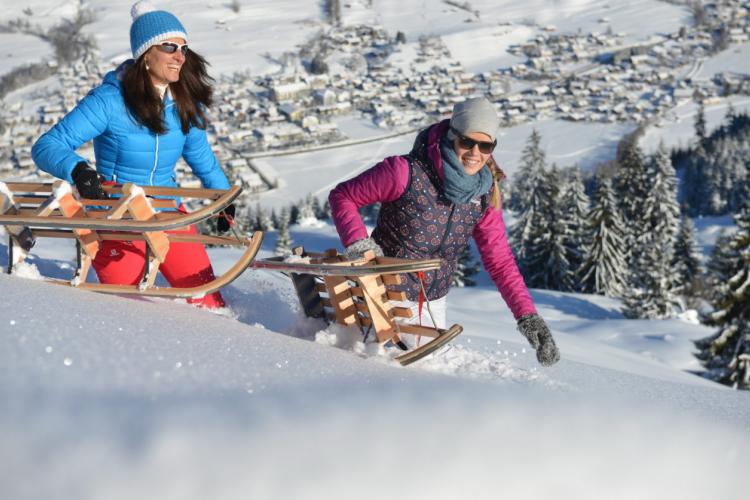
113 397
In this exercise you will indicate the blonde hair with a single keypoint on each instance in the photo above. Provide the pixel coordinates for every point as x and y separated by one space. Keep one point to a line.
497 176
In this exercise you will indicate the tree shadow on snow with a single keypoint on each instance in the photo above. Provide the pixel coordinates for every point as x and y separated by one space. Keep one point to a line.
575 306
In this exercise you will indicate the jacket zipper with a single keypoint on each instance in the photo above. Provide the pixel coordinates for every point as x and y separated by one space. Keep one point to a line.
156 160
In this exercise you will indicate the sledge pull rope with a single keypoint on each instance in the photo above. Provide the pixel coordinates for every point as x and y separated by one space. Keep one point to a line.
230 220
423 301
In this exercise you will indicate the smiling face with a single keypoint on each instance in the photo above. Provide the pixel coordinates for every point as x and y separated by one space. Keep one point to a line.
164 67
472 159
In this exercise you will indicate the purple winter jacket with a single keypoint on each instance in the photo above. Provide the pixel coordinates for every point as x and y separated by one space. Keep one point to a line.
388 180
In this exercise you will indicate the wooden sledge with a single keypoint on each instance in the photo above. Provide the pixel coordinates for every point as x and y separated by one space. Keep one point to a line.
29 210
359 297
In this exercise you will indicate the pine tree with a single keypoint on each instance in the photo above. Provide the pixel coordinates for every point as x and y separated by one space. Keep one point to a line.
544 263
306 211
529 198
533 164
283 240
726 354
574 208
686 260
650 291
652 280
466 268
294 213
317 209
604 268
325 211
700 125
631 186
263 220
661 211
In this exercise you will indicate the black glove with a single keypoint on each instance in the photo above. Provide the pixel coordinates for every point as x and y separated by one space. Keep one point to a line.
226 219
88 182
357 249
537 333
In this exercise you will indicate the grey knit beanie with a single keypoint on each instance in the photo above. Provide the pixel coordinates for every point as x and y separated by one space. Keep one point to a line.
475 115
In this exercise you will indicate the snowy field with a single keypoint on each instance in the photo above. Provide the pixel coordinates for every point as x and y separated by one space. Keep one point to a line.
18 49
121 398
566 144
479 42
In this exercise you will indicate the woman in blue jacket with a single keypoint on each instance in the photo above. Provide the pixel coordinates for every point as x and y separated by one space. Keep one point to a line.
146 114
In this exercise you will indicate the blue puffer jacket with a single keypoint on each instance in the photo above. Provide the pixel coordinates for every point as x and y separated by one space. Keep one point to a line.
125 150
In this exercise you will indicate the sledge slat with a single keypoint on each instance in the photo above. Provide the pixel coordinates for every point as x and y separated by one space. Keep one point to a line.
200 193
378 310
418 330
36 200
392 279
174 237
341 300
162 222
251 250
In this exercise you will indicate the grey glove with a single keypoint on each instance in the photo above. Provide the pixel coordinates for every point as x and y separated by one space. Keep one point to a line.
537 333
357 249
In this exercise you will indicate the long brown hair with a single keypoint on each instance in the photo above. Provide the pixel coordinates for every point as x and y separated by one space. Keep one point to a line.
192 94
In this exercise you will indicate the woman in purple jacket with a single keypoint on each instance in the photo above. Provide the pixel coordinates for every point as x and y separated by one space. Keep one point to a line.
433 199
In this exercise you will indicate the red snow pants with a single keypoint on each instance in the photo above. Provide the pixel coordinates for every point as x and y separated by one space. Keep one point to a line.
186 265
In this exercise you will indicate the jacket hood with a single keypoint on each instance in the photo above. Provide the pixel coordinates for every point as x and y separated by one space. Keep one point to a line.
113 77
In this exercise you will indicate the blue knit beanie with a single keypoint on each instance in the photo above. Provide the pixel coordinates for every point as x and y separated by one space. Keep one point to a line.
151 27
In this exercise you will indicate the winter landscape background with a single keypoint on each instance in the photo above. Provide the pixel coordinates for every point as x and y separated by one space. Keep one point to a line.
112 397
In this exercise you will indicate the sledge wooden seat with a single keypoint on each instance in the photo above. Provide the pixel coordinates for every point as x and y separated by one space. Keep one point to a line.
34 210
363 300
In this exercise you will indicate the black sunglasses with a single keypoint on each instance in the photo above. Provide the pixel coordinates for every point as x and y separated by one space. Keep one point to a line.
171 48
469 143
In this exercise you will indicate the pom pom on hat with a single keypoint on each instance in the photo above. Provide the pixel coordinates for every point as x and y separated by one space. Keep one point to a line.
151 27
140 8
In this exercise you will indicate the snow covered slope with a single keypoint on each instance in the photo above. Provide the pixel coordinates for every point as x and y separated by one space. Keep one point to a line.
111 397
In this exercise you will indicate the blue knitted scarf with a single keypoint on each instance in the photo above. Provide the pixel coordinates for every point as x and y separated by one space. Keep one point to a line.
459 186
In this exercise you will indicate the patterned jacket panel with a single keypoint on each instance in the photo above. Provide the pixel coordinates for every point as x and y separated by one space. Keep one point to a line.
422 223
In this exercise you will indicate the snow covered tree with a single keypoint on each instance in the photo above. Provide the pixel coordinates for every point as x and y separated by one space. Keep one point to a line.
604 268
686 260
726 354
652 279
544 261
716 177
530 198
283 240
700 124
307 212
263 220
574 207
325 211
650 290
631 186
660 209
369 213
533 164
466 268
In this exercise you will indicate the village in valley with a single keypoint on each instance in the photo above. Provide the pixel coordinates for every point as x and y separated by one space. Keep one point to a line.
349 70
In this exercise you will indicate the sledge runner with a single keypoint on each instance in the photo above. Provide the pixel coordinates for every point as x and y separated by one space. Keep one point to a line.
146 114
433 199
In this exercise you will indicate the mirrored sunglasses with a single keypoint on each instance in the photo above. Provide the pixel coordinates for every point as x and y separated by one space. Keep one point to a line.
171 48
464 142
